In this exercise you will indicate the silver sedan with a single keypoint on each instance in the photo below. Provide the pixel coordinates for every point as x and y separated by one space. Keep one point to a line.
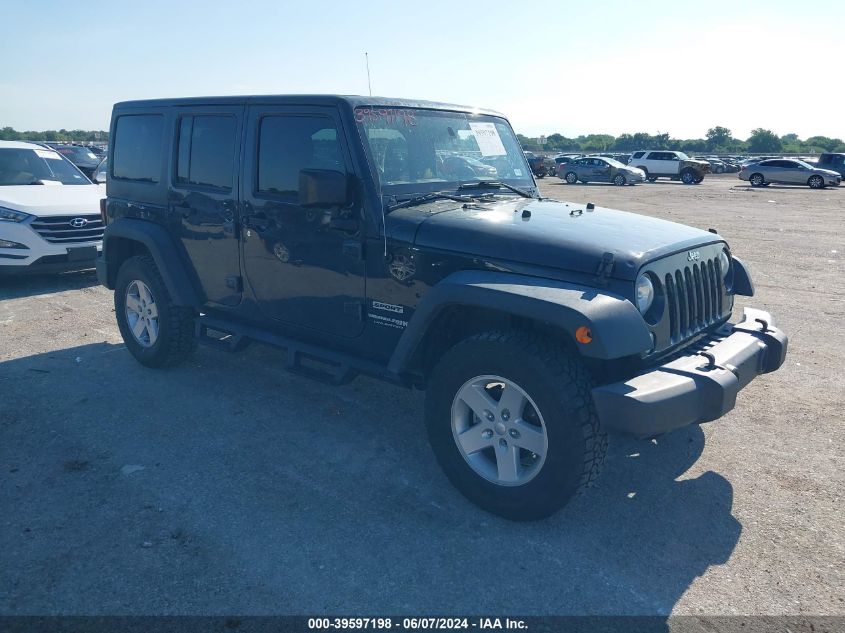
788 171
600 169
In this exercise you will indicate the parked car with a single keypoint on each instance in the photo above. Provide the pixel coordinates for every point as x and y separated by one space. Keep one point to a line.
49 212
531 324
467 167
560 161
537 164
80 156
594 169
101 172
716 166
833 161
676 165
789 171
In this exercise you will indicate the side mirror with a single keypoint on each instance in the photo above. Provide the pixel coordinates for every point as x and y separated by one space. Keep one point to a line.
100 178
323 188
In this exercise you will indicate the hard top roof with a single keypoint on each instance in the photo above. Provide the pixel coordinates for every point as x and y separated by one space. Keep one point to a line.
354 101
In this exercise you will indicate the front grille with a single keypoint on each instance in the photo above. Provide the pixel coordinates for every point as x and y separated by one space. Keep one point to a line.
58 230
694 298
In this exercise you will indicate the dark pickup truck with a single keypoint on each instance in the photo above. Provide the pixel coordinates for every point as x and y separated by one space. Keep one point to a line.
332 227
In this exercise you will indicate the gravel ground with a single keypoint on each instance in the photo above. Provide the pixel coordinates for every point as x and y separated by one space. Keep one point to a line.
229 486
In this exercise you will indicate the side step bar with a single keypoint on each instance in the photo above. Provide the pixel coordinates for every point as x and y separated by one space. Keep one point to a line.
311 361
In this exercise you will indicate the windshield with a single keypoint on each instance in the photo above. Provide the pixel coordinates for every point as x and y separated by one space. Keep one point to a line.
414 150
35 166
77 154
682 156
614 162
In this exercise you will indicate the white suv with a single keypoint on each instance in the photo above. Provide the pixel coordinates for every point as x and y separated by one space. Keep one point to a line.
49 212
674 165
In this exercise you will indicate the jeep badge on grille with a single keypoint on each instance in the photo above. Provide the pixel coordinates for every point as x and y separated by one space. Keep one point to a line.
693 256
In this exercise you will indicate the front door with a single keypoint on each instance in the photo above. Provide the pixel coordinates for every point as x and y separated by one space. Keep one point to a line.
203 197
302 270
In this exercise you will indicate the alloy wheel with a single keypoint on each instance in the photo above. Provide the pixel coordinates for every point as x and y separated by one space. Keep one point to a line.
499 431
142 313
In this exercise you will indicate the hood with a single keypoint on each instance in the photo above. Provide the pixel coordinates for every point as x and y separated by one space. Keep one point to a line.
555 235
46 200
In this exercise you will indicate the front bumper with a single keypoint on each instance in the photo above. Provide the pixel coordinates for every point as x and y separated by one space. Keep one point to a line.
697 387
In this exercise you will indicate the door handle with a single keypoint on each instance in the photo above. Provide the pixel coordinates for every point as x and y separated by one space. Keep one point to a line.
256 222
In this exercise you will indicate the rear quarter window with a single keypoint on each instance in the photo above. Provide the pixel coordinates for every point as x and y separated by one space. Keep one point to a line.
137 147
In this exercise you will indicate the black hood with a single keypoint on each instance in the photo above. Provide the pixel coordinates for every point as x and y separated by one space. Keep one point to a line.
546 233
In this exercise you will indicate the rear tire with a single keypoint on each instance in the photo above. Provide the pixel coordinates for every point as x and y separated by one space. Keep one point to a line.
553 415
571 177
156 332
815 182
757 180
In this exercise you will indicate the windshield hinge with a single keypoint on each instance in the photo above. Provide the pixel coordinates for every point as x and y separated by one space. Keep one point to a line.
604 269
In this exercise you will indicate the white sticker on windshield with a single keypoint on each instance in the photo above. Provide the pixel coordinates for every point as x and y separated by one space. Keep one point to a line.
517 172
46 153
488 139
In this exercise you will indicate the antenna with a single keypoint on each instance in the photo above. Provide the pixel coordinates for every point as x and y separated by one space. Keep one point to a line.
367 62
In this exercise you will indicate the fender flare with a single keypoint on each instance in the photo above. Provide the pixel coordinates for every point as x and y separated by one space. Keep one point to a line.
742 284
617 327
157 240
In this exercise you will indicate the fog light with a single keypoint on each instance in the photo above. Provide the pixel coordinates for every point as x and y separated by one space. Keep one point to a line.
8 244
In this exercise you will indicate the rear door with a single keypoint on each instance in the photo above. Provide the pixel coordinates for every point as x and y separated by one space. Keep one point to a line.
203 196
302 271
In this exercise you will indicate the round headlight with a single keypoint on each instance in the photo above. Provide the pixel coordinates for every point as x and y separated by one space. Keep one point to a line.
724 263
645 293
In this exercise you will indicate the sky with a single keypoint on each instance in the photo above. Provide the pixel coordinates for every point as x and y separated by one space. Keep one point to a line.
572 67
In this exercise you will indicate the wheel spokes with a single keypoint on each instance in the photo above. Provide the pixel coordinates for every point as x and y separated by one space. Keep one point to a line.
507 462
530 437
475 438
478 400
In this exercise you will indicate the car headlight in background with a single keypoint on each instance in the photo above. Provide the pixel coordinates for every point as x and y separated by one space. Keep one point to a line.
645 293
9 215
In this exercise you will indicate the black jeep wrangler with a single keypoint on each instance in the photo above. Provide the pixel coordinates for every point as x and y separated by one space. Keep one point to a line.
334 228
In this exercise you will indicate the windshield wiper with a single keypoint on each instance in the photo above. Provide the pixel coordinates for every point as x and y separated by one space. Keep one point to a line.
438 195
495 183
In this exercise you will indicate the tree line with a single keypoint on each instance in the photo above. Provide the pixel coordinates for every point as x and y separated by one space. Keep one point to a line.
70 136
719 140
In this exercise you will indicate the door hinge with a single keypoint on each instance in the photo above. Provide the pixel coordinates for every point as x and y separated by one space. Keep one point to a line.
235 283
355 309
605 269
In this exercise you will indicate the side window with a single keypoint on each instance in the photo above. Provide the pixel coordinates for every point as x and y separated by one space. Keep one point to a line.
638 154
206 151
137 147
289 144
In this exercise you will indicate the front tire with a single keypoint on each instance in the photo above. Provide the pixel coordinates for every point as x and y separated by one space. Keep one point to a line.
815 182
619 180
512 423
688 177
156 332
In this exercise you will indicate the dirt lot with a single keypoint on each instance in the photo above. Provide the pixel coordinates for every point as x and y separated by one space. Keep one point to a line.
230 486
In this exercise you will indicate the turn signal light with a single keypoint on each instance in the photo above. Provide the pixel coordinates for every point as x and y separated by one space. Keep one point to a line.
583 335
